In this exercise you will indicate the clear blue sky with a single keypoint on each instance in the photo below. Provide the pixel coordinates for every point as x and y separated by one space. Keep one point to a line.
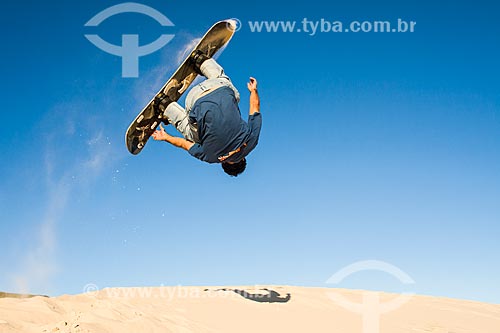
374 146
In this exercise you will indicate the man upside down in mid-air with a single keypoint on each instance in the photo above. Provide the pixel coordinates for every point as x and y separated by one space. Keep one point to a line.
211 123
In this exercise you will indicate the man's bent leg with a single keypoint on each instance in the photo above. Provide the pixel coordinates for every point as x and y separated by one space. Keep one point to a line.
178 116
216 78
212 70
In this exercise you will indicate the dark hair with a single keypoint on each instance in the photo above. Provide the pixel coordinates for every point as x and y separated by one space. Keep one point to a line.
234 169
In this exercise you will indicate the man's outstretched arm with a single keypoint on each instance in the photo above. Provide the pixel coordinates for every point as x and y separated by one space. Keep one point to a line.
161 135
254 96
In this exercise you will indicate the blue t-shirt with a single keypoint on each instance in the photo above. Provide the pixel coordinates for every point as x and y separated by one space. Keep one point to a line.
221 129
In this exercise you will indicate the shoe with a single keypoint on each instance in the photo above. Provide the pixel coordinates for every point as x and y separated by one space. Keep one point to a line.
197 58
163 99
160 103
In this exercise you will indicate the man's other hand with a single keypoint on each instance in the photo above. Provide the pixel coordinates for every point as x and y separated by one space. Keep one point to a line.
160 135
252 85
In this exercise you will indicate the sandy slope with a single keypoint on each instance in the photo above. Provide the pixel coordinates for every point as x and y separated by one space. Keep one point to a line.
240 309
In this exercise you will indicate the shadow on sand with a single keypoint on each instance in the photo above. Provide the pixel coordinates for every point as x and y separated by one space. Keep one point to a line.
270 297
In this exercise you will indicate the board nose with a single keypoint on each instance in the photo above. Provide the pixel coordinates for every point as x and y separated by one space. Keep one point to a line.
232 24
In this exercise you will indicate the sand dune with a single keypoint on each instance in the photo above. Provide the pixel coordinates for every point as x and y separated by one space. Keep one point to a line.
242 309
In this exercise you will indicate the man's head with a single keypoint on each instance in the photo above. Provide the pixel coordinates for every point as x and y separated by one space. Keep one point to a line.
234 169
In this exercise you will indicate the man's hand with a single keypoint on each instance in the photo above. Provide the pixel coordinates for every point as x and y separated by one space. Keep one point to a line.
160 135
252 85
254 96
